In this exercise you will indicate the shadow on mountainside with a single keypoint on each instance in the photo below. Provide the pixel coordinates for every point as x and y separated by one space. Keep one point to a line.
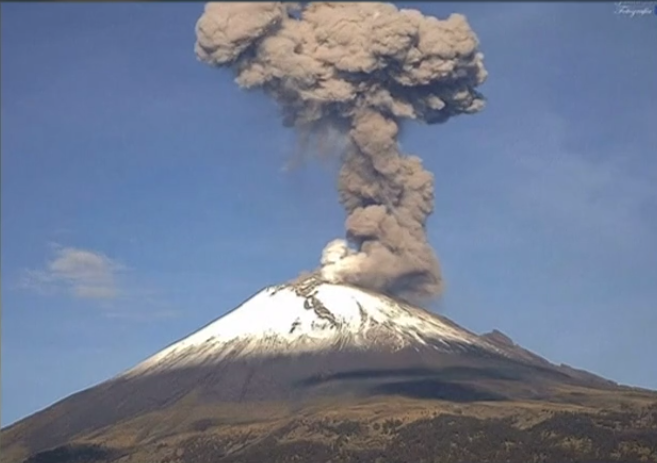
454 373
420 383
436 390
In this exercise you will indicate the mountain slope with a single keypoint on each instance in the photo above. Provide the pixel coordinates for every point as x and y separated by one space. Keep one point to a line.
305 349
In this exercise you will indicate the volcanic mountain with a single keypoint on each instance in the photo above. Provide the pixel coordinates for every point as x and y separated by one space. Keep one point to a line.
313 371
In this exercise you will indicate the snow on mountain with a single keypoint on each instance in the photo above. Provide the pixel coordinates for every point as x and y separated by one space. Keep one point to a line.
309 316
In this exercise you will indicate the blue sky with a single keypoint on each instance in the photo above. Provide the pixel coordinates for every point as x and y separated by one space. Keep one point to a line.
143 194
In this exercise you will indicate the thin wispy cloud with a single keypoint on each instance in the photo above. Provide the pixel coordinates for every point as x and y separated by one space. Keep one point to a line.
81 273
599 198
93 276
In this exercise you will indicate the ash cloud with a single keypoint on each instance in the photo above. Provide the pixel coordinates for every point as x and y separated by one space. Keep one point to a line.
360 68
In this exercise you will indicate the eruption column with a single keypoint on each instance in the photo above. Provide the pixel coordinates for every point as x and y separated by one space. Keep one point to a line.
360 68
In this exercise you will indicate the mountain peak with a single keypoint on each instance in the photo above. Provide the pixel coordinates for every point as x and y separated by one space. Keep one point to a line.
310 315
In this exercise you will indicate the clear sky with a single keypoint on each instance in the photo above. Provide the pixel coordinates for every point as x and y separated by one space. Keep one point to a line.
143 193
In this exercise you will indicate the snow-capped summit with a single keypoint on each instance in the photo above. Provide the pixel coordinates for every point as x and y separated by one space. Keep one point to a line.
311 315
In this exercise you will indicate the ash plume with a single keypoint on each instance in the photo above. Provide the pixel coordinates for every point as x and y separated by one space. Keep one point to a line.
360 68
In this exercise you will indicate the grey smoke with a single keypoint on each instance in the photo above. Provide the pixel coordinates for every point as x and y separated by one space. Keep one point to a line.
360 68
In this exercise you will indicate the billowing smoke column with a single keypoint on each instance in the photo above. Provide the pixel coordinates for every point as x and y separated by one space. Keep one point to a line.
360 68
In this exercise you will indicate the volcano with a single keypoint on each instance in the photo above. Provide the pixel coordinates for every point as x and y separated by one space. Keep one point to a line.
313 371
